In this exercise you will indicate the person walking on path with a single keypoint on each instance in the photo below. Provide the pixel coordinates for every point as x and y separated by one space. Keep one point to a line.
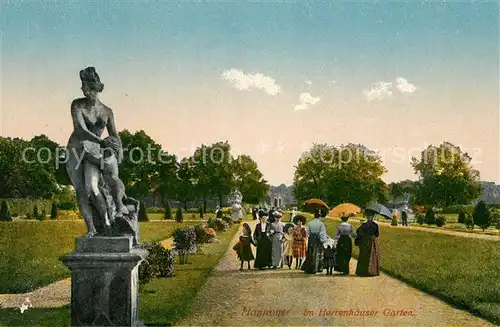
344 245
317 235
261 235
299 241
369 250
277 232
244 246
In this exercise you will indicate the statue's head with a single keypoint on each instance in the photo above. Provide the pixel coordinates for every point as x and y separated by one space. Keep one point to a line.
91 83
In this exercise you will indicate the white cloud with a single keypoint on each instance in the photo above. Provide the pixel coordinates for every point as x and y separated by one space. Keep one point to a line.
404 86
378 91
243 81
306 99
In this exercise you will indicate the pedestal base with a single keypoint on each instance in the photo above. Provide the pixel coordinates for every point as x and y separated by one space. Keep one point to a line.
104 285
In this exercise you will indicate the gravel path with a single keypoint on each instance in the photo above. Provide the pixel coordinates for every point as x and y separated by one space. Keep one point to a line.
231 297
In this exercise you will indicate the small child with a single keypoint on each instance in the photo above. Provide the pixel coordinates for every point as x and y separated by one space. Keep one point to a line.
244 247
329 256
288 251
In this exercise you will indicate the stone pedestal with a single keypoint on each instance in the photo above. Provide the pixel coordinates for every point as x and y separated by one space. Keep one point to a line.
104 281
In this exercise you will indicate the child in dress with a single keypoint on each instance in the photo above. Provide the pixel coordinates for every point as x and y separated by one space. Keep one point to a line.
329 256
288 250
244 247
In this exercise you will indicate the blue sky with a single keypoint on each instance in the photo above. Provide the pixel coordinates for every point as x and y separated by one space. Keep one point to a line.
165 60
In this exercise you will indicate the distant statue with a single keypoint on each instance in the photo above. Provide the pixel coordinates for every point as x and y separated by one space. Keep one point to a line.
93 165
236 208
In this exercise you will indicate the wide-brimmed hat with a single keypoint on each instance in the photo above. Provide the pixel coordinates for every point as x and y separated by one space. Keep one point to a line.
277 214
299 217
262 214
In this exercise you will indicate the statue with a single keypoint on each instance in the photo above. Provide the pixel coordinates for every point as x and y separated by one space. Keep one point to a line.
93 165
237 210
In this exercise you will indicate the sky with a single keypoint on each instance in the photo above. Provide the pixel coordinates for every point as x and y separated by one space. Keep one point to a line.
271 78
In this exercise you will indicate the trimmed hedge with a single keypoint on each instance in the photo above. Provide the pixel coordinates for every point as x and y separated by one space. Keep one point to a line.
25 207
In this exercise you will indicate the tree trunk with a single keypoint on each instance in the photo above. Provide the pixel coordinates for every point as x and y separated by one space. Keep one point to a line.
204 204
185 205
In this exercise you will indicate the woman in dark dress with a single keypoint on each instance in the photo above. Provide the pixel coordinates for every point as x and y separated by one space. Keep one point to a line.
344 246
369 250
264 244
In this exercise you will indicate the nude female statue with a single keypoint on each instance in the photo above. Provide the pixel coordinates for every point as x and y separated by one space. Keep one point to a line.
89 165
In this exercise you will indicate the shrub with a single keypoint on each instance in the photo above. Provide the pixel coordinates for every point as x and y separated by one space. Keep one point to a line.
168 210
430 217
495 218
481 215
440 221
4 212
159 263
66 198
36 213
456 209
201 212
228 220
204 234
218 224
143 213
469 222
497 225
178 215
43 215
461 216
53 211
420 219
185 242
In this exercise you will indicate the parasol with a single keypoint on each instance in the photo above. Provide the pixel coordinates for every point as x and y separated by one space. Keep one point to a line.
380 209
313 204
345 209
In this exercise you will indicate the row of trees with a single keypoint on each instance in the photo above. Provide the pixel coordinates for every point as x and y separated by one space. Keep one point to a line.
210 173
352 173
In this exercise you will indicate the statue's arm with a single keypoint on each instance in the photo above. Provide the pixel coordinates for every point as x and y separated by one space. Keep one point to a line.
111 125
79 123
112 132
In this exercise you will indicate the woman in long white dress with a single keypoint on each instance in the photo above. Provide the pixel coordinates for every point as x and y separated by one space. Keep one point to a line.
277 234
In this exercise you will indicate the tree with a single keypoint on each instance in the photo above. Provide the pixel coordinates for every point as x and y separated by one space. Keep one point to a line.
248 179
349 173
4 212
214 170
482 215
178 215
430 216
21 173
187 182
36 213
201 212
52 155
446 176
461 216
53 211
139 170
168 210
143 213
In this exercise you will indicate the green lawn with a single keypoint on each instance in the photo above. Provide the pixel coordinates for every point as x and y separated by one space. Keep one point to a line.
163 301
462 271
31 250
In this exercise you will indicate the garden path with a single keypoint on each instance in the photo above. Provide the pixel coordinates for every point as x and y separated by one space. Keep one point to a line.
229 296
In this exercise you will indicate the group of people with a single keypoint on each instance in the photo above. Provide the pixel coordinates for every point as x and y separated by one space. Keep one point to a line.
310 245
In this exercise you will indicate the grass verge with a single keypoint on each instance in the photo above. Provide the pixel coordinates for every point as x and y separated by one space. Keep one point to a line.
31 250
165 300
